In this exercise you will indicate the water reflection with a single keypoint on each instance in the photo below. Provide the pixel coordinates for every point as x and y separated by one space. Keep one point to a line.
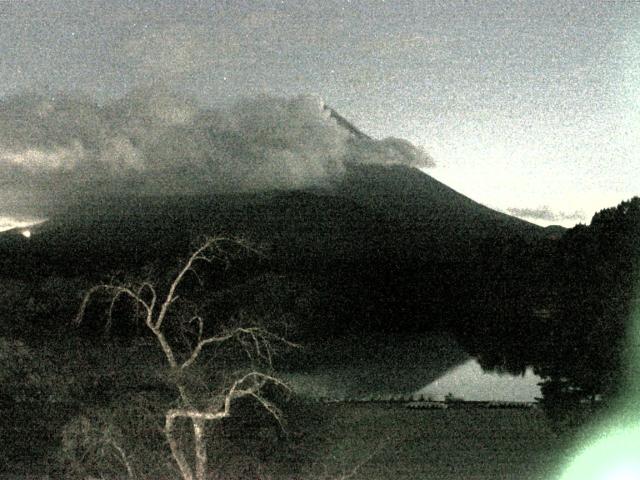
469 382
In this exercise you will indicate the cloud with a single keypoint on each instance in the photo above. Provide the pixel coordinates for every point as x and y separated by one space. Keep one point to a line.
545 213
152 141
389 151
9 223
34 159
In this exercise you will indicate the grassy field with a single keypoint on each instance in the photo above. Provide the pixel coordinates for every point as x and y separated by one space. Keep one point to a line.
325 441
378 441
385 442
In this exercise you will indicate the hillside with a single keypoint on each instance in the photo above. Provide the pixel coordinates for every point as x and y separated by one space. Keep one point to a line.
385 251
386 241
373 208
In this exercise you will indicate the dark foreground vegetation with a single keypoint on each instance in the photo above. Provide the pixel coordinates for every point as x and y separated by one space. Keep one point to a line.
322 441
91 399
564 306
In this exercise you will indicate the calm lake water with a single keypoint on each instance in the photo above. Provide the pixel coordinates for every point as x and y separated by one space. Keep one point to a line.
469 382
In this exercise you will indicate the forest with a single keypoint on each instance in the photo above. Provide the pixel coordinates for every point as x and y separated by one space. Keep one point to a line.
92 361
564 306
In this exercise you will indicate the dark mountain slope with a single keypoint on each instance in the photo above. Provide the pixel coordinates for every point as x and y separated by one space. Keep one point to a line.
386 251
436 214
373 208
388 247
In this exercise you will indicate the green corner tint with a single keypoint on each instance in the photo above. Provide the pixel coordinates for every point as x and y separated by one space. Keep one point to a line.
613 451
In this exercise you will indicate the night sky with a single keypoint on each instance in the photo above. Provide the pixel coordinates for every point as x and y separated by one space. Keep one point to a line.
531 107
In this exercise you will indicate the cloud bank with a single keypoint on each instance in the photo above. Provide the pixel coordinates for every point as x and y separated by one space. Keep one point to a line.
154 142
546 214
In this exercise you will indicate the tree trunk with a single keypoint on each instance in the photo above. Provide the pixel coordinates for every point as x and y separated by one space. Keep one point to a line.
201 448
185 470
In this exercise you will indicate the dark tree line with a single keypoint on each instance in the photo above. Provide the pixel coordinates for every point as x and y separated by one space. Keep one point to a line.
559 302
561 305
597 274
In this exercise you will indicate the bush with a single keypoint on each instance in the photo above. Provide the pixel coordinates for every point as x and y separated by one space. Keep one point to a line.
30 376
125 438
567 408
121 440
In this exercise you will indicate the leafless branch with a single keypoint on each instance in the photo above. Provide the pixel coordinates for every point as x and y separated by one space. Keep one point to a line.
200 254
116 292
258 343
122 456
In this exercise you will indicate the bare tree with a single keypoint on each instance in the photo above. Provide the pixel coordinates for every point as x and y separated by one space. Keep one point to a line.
154 309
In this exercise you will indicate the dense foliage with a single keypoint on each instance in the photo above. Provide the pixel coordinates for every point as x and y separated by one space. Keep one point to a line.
597 269
562 306
373 263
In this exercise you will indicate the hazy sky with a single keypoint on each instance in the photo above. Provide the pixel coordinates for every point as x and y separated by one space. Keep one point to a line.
532 107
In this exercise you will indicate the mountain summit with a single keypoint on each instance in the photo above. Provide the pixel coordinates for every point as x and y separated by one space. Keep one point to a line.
380 250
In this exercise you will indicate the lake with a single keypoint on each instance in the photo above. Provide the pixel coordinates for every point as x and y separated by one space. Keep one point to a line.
469 382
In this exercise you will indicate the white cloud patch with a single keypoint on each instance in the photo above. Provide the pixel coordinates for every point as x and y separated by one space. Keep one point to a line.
35 160
389 151
156 142
545 213
9 223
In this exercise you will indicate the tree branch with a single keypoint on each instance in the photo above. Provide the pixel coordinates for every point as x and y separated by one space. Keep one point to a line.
117 291
255 340
197 255
261 340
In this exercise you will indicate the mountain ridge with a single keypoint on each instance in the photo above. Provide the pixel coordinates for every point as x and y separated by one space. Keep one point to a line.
394 208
